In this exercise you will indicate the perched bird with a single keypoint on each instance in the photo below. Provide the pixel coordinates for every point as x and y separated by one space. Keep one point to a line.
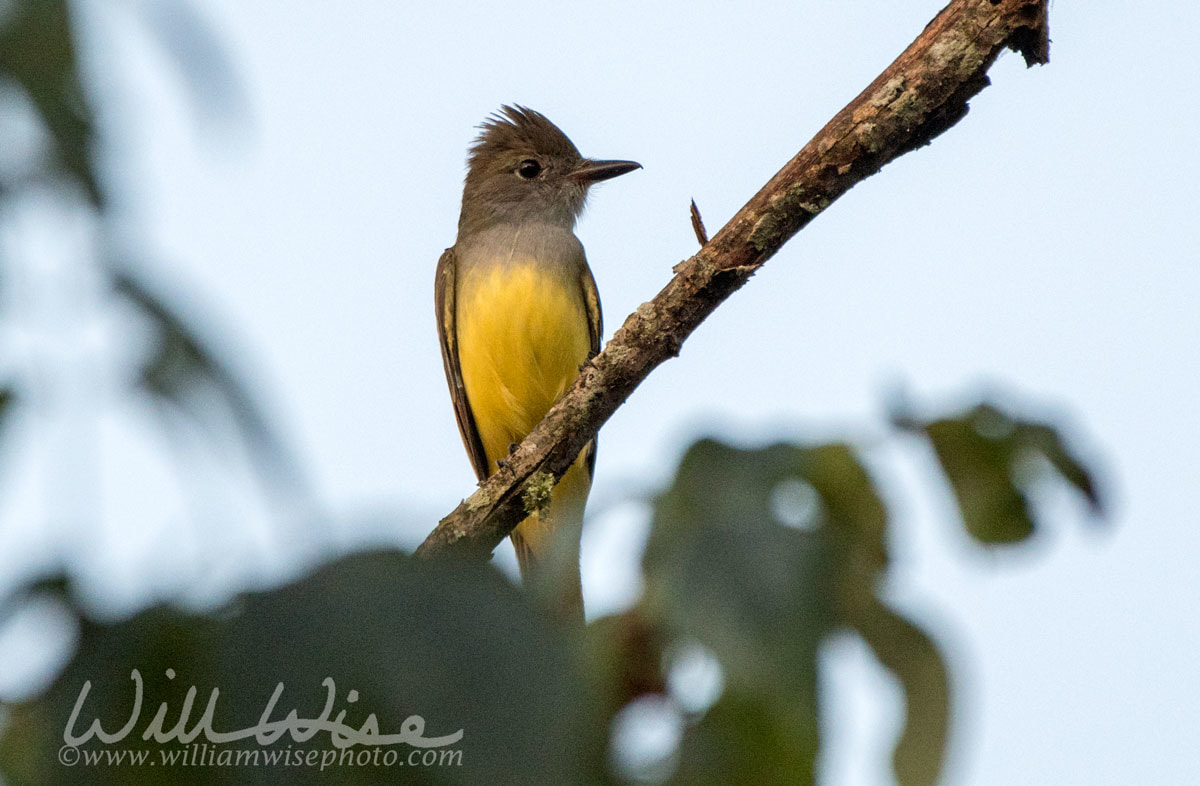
518 314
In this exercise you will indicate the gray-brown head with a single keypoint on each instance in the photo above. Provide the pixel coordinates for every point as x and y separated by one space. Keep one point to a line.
522 168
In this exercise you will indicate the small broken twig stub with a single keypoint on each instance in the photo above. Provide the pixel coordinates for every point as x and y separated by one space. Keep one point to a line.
920 95
698 226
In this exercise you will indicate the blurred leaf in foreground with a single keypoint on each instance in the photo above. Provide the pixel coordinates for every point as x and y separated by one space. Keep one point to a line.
912 656
182 367
37 52
759 555
455 644
755 557
992 461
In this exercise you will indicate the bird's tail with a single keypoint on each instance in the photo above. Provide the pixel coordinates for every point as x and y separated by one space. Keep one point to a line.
547 546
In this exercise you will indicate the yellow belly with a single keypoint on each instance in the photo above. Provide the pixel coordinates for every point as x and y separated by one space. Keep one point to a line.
522 335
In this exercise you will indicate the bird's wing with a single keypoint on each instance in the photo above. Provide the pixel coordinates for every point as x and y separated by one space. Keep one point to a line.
591 301
443 297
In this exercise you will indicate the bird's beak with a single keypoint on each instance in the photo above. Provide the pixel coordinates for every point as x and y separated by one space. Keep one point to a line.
589 171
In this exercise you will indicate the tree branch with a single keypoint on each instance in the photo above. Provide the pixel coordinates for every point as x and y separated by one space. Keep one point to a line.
920 95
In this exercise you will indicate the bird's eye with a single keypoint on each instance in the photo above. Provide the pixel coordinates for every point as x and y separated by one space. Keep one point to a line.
529 169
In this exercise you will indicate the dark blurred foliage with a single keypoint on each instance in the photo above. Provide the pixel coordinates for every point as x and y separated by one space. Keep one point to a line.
994 462
755 557
180 373
455 644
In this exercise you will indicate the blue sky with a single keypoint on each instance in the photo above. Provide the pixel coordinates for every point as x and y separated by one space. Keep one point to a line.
1045 248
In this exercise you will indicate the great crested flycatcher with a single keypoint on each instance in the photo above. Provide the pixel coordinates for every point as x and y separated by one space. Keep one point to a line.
518 314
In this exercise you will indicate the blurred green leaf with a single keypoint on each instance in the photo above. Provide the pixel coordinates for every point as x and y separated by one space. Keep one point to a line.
992 460
8 398
759 555
37 52
750 742
56 584
720 568
624 657
910 654
1049 443
979 468
855 516
455 644
182 365
748 553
